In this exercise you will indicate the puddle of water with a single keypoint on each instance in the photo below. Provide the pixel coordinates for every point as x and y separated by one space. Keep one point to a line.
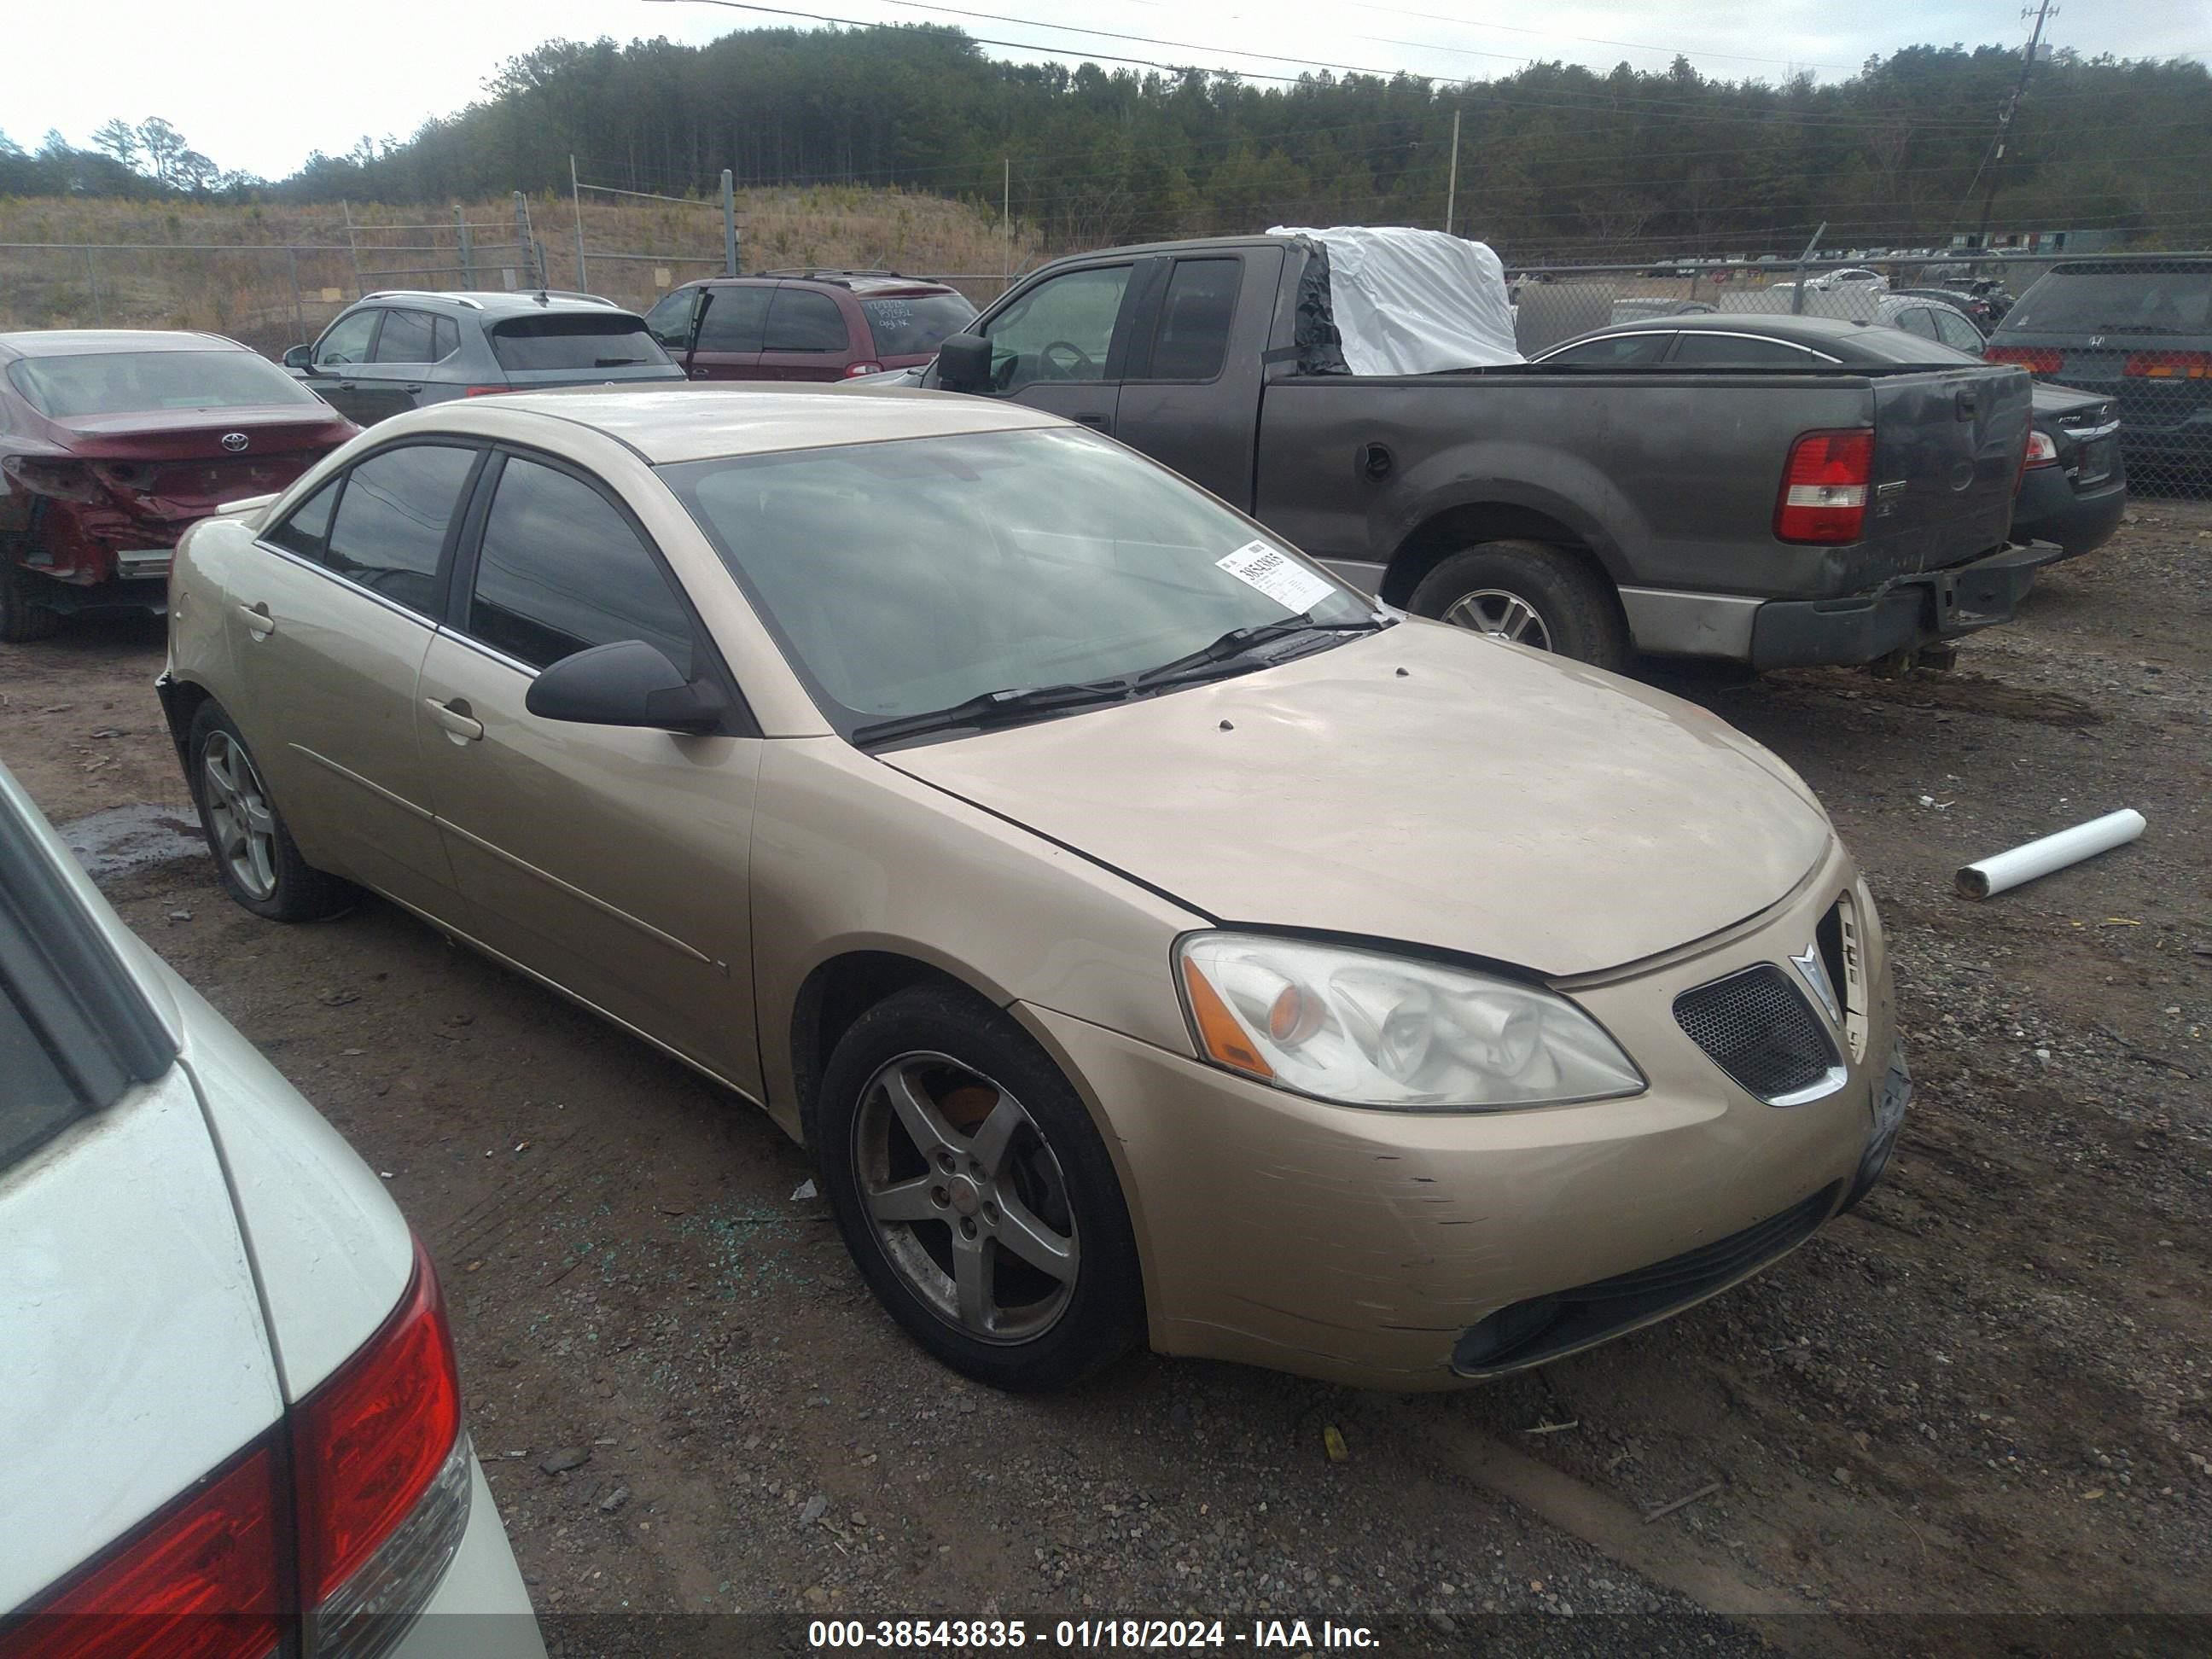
120 840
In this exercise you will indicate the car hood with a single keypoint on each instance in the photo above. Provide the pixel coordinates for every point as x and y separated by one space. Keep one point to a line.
1424 785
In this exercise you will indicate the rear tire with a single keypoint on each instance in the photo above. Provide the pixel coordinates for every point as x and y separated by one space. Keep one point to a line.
975 1195
22 619
1531 592
255 857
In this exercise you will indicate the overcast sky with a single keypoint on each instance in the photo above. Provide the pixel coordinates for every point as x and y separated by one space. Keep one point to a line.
256 84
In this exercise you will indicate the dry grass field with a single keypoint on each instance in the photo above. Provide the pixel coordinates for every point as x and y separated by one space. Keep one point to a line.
269 275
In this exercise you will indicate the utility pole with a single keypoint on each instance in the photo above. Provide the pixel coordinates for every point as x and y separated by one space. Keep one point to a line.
1451 189
729 223
1007 214
2004 123
576 197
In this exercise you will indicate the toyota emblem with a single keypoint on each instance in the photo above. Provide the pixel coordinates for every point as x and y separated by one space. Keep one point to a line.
234 441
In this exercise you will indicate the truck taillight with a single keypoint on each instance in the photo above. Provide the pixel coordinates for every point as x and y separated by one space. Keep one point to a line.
855 371
1824 488
2168 366
482 391
372 1515
2041 451
2036 360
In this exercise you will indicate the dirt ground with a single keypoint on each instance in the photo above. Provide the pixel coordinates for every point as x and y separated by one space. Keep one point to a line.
1985 1392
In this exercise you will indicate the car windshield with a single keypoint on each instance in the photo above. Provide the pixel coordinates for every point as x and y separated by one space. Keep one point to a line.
2118 302
134 382
574 340
912 325
906 577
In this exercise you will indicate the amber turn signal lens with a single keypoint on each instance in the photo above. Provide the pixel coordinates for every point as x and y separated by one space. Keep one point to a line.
1217 1030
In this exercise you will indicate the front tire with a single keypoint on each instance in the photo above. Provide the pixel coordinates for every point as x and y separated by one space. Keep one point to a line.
975 1195
1532 594
255 856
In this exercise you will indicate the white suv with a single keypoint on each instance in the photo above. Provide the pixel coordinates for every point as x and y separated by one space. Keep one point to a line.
230 1419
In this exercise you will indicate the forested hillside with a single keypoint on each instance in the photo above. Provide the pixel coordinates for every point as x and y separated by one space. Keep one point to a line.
1552 159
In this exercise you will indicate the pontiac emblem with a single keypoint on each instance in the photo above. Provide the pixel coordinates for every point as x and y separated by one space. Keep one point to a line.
1814 973
234 442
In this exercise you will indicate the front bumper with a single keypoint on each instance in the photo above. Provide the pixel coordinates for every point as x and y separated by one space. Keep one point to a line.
1365 1247
1901 615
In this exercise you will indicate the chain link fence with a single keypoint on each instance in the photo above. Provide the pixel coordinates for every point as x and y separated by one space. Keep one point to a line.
2136 329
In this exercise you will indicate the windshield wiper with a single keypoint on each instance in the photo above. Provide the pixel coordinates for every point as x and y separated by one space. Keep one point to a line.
990 708
1239 640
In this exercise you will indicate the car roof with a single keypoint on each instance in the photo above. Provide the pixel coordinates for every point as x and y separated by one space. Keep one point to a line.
86 341
707 423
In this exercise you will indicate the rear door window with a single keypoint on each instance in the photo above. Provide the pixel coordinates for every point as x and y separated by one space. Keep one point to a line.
559 570
1617 351
575 341
448 340
736 319
409 337
800 319
1917 319
915 325
389 530
1956 330
1738 351
1192 337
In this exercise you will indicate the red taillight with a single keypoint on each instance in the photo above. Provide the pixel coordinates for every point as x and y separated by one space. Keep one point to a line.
2168 366
198 1581
2036 360
67 481
2041 450
366 1443
1824 488
855 371
484 390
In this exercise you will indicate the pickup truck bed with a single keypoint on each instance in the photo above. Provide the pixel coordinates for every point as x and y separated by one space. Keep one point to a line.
1595 511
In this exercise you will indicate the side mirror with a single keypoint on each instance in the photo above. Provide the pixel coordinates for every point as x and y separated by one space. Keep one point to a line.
298 356
963 363
629 683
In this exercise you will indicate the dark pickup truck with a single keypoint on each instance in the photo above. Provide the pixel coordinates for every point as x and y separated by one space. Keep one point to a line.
1788 511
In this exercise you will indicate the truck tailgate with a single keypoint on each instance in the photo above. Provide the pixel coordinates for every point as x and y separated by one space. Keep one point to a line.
1948 446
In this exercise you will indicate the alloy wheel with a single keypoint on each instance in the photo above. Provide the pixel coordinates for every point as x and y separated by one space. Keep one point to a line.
239 811
966 1198
1505 616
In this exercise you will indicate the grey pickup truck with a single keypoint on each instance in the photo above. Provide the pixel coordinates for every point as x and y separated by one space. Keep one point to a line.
1738 500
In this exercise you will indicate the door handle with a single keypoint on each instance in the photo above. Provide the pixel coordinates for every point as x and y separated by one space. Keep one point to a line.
345 385
417 387
258 621
454 716
1099 421
698 373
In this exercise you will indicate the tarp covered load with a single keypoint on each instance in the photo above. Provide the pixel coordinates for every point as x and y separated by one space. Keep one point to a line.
1412 302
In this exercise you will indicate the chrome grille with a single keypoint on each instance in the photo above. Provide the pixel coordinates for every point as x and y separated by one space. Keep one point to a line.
1761 1030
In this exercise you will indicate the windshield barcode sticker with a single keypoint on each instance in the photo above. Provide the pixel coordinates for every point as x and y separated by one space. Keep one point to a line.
1278 575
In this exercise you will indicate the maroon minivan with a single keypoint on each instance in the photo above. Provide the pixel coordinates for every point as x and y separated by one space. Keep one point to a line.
806 325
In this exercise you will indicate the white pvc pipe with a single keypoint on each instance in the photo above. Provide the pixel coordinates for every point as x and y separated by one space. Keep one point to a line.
2039 858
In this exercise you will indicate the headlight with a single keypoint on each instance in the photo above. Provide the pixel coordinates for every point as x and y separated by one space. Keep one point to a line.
1369 1030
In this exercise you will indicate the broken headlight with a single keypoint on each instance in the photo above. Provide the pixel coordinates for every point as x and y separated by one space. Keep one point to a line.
1365 1029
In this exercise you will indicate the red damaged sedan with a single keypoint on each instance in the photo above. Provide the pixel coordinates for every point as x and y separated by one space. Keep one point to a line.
114 442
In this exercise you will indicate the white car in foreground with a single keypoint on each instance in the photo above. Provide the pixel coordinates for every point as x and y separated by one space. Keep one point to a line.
230 1422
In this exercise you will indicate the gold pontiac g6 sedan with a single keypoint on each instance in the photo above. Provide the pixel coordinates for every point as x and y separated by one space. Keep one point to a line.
1152 937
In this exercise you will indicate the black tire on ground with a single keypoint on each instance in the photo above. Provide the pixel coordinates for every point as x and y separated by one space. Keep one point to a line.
1575 612
22 619
296 891
859 1140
